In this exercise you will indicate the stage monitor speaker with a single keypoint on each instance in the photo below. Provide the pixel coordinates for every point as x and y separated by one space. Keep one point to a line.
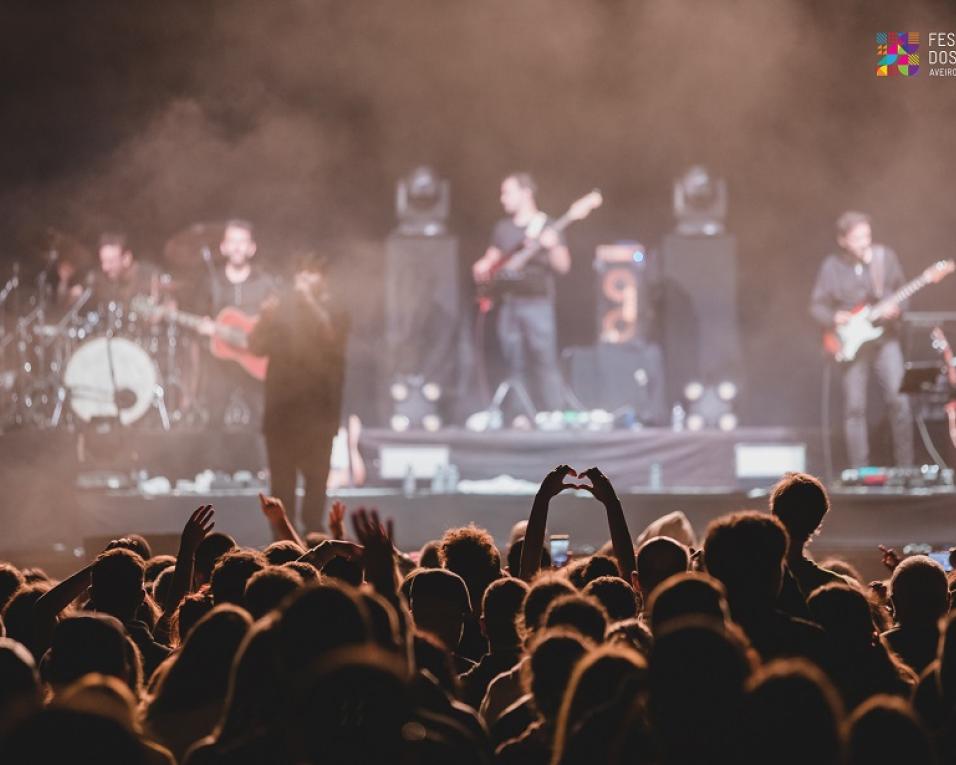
619 377
422 308
701 330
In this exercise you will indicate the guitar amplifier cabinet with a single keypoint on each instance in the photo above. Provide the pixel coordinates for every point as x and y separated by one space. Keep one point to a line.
619 377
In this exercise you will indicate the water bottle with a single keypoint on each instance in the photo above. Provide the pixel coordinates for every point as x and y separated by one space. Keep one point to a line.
678 415
439 480
408 483
454 475
656 480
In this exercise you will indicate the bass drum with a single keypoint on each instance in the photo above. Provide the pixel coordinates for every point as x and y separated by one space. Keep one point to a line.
90 382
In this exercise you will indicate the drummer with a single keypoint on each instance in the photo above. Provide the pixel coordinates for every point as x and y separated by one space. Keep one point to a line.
120 278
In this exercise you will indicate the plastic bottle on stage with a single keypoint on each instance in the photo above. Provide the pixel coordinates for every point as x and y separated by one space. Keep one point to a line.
656 478
408 483
678 416
440 480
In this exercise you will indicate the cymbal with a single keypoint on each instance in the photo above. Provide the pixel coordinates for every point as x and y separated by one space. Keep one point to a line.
185 247
53 244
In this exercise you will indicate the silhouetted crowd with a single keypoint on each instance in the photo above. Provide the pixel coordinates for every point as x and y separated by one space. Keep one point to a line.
339 648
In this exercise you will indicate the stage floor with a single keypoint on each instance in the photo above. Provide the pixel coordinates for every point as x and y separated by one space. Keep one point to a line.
46 517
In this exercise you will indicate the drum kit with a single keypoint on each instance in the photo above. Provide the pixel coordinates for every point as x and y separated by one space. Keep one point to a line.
92 362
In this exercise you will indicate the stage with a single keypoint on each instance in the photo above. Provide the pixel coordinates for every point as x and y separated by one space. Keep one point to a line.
59 509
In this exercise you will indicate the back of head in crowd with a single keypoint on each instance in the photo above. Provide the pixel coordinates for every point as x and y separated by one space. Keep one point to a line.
616 595
117 583
499 612
919 591
745 551
800 502
439 602
470 552
231 573
689 594
580 612
658 559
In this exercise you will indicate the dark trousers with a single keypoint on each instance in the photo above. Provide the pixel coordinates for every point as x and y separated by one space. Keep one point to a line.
885 358
529 343
308 454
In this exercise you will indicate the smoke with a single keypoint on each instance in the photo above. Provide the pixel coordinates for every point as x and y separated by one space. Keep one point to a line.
301 116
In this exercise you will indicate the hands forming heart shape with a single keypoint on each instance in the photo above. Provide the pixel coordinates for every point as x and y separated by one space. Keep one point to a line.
595 482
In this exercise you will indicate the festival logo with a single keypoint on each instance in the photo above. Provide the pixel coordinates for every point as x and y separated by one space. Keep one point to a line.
898 54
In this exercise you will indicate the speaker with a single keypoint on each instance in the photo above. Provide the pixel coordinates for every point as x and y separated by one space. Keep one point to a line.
422 309
701 334
617 377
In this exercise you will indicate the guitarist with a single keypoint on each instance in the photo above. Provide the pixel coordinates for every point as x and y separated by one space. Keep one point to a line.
861 273
527 330
233 396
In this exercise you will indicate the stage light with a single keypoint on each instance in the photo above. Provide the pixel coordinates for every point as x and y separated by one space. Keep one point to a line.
727 422
422 203
700 203
693 391
415 402
695 422
727 391
399 391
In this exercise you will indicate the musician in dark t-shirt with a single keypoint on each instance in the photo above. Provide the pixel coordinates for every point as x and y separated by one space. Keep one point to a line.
304 334
526 320
864 273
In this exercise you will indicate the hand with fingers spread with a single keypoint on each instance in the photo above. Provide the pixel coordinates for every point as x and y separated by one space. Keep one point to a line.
554 483
376 539
337 520
197 527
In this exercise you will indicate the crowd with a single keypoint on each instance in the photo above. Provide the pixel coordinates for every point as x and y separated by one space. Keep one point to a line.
333 648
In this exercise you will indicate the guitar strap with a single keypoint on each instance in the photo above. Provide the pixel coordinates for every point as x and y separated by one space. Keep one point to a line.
878 270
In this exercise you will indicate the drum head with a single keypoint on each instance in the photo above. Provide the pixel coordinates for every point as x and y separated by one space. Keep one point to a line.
91 384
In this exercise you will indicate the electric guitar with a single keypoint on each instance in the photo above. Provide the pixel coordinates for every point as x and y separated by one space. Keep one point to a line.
511 267
844 341
230 338
941 344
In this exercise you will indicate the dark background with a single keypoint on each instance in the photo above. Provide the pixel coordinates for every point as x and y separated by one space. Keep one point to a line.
301 115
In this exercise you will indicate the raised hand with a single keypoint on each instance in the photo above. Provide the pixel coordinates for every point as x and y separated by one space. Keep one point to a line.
600 486
272 508
376 539
337 520
553 483
199 524
890 559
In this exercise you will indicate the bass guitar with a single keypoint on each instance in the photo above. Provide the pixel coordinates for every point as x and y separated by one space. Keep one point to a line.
230 337
511 267
941 344
844 341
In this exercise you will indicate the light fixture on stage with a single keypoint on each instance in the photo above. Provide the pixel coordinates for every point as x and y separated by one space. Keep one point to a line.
700 203
415 404
422 203
710 406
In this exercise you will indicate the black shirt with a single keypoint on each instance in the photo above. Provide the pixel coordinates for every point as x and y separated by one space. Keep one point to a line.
537 277
844 283
247 296
306 347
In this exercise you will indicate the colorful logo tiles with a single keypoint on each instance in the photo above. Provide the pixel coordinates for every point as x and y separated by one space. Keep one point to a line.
898 54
